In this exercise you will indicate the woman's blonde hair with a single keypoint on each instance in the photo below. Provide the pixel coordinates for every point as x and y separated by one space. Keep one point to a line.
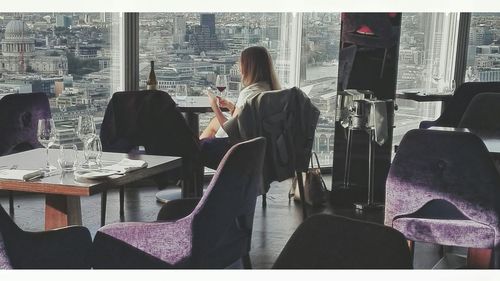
256 65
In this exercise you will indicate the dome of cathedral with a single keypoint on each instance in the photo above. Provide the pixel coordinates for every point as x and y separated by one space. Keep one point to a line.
16 29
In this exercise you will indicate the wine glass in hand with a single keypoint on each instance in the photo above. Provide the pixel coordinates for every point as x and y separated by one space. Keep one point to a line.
46 134
221 84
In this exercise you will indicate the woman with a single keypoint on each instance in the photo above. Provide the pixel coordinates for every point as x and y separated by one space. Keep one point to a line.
257 76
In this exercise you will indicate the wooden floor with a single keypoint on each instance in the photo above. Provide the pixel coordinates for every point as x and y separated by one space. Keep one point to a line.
273 225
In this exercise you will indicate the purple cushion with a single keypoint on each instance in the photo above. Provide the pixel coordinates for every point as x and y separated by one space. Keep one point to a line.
465 233
168 241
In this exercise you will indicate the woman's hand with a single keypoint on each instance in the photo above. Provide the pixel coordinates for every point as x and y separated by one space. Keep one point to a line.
212 100
224 103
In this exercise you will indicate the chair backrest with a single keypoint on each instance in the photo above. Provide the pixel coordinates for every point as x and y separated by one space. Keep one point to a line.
223 219
149 119
287 119
19 115
333 242
483 113
456 107
442 169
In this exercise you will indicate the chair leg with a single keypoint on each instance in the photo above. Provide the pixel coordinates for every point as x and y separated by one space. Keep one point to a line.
411 246
302 195
11 203
264 200
479 258
104 199
247 263
122 201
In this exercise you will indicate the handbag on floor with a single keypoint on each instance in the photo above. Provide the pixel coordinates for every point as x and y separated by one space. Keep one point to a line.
314 186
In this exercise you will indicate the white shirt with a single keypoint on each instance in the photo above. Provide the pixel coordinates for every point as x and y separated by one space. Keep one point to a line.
247 93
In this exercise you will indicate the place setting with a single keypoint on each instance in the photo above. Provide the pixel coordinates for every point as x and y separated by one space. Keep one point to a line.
68 157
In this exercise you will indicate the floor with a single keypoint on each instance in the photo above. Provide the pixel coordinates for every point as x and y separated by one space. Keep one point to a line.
273 225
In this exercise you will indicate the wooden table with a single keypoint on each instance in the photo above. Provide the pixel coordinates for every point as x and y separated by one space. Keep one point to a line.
490 138
62 192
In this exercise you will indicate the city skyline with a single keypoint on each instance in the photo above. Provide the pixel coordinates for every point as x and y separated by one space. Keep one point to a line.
190 49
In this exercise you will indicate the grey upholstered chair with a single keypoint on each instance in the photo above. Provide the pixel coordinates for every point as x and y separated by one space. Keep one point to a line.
287 119
150 119
19 115
483 113
458 103
334 242
216 234
63 248
443 188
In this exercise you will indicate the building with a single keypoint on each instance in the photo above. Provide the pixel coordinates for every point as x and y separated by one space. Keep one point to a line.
20 56
179 32
63 21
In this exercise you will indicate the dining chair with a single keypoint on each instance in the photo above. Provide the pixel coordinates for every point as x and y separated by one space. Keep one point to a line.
287 119
443 188
216 234
63 248
483 113
19 115
334 242
149 119
457 105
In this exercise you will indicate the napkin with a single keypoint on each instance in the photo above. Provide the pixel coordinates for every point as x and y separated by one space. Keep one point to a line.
127 165
378 118
15 174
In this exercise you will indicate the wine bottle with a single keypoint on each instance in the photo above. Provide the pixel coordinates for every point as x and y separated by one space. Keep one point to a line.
152 83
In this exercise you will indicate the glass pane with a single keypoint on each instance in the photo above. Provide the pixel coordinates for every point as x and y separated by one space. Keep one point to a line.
483 56
190 49
318 75
71 57
426 66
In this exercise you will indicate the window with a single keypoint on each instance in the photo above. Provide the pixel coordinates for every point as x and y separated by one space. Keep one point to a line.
190 49
318 75
72 57
483 55
426 65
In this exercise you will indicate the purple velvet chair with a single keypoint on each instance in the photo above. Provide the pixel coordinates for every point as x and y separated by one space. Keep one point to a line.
443 188
63 248
457 105
334 242
483 113
149 119
216 234
19 115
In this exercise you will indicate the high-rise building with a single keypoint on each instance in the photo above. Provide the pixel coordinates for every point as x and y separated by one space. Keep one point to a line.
64 21
179 33
204 37
207 21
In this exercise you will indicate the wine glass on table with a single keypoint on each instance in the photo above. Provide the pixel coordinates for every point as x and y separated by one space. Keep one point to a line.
180 92
46 134
86 130
221 84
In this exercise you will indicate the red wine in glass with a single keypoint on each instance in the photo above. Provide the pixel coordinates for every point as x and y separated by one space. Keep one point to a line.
221 83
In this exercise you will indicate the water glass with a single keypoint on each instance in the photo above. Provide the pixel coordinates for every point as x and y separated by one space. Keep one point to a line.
68 154
86 127
181 92
92 153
